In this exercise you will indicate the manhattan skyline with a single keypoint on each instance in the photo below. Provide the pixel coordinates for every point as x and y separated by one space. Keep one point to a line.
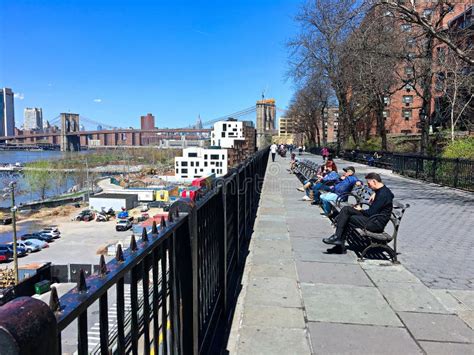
115 61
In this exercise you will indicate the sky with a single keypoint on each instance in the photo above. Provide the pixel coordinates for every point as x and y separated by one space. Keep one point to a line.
113 60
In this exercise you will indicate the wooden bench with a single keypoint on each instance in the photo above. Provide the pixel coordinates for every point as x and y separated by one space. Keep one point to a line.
379 241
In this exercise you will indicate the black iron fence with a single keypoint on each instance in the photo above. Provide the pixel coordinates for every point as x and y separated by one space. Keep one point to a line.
456 173
182 281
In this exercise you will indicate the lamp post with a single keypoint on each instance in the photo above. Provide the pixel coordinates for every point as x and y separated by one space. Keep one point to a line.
11 190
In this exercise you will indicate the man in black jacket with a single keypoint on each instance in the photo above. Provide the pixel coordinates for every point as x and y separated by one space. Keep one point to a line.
373 219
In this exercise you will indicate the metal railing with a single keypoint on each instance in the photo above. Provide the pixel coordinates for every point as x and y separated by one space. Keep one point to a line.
189 271
458 173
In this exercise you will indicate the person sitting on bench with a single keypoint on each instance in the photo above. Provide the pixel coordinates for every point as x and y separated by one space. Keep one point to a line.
325 174
324 183
381 208
348 180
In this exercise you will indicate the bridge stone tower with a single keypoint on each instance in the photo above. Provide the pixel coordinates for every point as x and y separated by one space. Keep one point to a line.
70 142
266 115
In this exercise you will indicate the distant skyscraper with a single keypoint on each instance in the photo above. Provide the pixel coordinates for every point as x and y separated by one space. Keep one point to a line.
199 123
7 113
82 127
33 118
147 122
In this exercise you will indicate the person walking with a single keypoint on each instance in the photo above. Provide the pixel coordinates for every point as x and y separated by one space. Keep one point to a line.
273 150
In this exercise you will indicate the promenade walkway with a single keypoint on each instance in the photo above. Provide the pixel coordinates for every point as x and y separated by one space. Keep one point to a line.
296 299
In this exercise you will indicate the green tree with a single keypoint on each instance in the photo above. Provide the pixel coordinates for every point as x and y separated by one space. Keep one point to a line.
39 177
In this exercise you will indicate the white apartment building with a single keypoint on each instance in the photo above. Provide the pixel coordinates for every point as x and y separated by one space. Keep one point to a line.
226 132
197 162
33 118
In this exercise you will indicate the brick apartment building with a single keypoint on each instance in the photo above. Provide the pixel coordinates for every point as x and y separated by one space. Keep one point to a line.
402 109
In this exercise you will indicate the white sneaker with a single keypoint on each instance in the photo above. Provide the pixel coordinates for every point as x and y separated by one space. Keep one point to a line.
306 198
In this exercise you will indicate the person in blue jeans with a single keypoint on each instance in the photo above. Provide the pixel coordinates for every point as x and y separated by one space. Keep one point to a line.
348 180
324 184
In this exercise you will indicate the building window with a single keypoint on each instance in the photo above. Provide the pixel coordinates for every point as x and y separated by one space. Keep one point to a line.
201 170
214 156
184 171
406 27
213 170
205 163
411 41
411 55
197 163
224 127
205 156
408 87
441 54
386 113
428 13
177 171
223 134
386 101
192 155
223 157
407 99
184 163
408 70
439 82
406 113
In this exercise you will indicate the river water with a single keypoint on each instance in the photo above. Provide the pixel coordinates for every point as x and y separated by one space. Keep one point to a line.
24 192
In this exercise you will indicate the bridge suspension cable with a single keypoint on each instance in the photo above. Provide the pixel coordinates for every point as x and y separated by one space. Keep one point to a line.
237 114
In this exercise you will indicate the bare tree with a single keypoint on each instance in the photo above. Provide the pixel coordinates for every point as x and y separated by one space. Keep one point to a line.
430 21
325 25
455 82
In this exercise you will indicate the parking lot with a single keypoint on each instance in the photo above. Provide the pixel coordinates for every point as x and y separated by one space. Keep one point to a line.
79 243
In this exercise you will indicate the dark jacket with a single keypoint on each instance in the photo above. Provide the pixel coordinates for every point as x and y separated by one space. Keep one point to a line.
382 206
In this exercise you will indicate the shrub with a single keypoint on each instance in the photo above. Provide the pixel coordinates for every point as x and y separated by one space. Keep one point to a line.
462 148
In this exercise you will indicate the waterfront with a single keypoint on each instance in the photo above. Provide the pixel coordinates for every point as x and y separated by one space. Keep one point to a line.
24 194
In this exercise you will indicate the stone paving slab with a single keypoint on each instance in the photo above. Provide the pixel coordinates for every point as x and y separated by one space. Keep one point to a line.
436 348
331 273
437 327
271 341
273 317
410 297
347 304
273 291
335 338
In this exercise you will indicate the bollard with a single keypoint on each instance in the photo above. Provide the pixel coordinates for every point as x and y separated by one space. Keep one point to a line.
27 326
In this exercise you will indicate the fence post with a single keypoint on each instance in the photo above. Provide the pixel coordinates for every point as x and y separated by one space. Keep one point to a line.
456 173
28 326
433 172
417 162
223 249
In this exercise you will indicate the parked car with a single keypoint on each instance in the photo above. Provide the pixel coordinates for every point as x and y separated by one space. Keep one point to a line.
29 245
123 225
85 215
19 250
52 229
101 217
54 235
5 253
144 208
43 237
41 243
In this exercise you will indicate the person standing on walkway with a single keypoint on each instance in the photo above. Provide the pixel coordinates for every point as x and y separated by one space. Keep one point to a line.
374 219
325 153
273 150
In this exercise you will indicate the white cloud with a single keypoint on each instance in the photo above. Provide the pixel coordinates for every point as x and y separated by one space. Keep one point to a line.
19 96
98 100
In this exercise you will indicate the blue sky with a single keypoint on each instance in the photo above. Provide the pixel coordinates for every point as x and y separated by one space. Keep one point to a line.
113 61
